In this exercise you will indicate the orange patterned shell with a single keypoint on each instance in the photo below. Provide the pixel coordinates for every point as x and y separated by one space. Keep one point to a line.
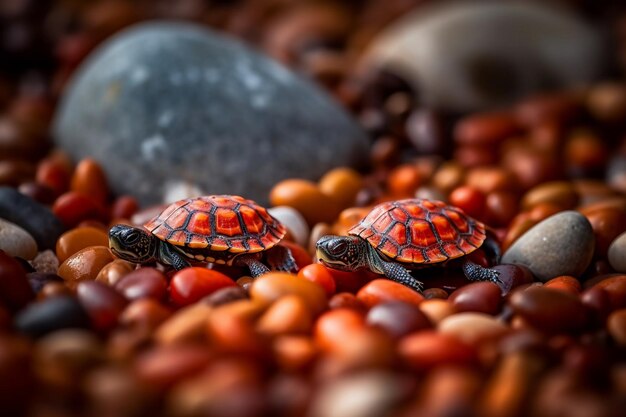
218 223
420 231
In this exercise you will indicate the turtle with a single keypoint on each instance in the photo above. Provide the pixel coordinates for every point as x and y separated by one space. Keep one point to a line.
397 236
222 229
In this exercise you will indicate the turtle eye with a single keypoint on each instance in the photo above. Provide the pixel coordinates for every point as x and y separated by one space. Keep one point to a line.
132 237
339 247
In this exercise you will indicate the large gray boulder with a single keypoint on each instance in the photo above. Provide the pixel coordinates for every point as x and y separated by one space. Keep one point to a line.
168 105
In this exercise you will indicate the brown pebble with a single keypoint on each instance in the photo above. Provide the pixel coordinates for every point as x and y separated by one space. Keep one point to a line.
114 271
84 265
398 318
616 325
307 198
481 297
561 193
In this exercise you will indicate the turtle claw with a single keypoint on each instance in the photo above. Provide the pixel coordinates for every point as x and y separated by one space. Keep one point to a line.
280 258
475 272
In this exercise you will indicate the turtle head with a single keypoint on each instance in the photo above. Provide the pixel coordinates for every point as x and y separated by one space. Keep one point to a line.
345 253
132 243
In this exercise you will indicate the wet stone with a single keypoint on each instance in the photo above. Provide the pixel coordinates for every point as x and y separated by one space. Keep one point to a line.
30 215
220 96
562 244
16 241
52 314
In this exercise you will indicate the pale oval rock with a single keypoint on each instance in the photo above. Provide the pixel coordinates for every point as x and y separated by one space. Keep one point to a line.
172 108
464 56
562 244
293 221
617 253
471 326
16 241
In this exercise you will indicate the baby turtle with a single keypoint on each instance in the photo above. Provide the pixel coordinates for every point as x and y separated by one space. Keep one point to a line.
408 234
223 229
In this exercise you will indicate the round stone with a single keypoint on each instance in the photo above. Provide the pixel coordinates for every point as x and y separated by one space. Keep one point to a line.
16 241
562 244
30 215
467 56
52 314
191 107
617 253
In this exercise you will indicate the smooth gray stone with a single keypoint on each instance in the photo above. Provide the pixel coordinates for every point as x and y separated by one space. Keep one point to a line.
617 253
164 106
562 244
466 56
35 218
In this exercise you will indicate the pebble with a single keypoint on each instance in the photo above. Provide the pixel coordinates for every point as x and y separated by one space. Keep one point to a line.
38 280
334 326
146 313
163 366
560 245
102 303
114 271
607 224
72 208
79 238
305 197
384 290
16 241
51 314
485 128
89 179
398 318
287 315
377 391
274 285
46 262
84 265
144 282
191 284
232 91
187 323
472 327
342 185
428 349
320 275
560 193
565 283
479 297
294 222
616 325
15 290
437 309
440 51
617 253
32 216
548 309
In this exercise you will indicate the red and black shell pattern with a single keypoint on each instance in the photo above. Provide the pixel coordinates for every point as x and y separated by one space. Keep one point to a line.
218 223
419 231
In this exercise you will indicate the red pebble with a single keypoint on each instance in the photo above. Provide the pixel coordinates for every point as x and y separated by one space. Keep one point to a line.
565 283
143 283
481 297
191 284
384 290
471 200
124 207
320 275
72 208
103 304
428 349
15 291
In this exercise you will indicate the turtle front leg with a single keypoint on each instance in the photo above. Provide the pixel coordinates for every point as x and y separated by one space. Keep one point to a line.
392 270
475 272
171 256
257 268
280 258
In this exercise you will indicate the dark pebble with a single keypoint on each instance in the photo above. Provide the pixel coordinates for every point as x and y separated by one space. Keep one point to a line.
37 280
482 297
33 217
224 296
398 318
15 291
62 312
102 303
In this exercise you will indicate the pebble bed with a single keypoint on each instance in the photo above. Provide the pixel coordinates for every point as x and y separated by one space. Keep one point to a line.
85 334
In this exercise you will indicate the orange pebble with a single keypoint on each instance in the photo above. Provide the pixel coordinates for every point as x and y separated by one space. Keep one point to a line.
114 271
307 198
90 180
383 290
346 300
234 333
319 274
342 184
294 353
54 175
271 286
403 181
288 314
76 239
334 327
565 283
428 349
84 265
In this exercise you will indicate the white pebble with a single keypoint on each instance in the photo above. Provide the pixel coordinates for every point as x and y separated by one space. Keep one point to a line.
293 221
16 241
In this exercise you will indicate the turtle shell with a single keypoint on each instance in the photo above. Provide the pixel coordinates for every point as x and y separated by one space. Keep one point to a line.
217 223
420 231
